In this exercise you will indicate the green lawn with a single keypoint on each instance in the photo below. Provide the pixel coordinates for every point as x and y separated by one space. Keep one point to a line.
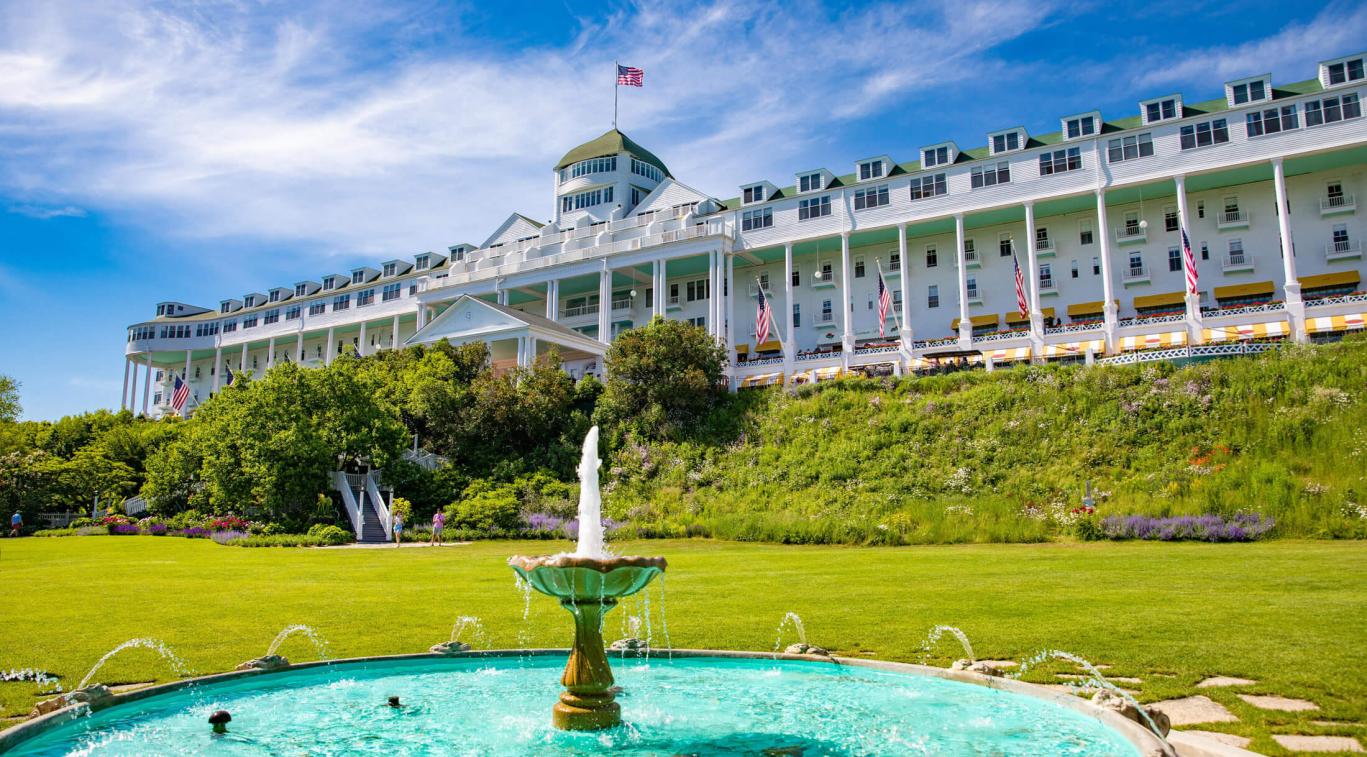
1288 614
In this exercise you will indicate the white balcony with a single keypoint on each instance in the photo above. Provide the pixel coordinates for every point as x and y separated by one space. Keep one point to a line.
1340 203
673 303
579 310
1044 248
1131 235
624 303
1135 274
971 259
823 319
975 296
1232 219
1344 250
1236 261
1047 286
823 279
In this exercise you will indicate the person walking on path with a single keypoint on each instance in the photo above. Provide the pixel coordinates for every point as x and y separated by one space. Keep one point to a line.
398 530
16 524
438 523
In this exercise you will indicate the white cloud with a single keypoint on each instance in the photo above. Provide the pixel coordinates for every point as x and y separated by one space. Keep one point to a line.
217 122
43 213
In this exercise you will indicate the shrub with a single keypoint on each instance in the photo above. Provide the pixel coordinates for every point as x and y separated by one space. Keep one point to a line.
485 508
194 532
331 535
228 523
56 532
402 508
124 529
223 537
80 523
115 519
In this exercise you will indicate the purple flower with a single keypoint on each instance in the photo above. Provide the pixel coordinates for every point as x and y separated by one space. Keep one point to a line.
194 532
124 529
156 529
223 537
1212 528
543 522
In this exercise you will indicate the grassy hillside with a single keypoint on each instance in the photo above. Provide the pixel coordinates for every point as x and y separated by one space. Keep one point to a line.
1004 456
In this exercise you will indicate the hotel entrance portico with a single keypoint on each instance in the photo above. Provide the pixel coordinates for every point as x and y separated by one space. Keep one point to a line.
515 338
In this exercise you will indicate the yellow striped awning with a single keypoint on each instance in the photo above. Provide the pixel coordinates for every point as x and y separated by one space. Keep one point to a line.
1153 341
831 372
1075 348
920 363
1338 279
773 345
1009 354
1086 308
1244 290
1331 323
1015 316
1247 331
1158 300
763 379
978 321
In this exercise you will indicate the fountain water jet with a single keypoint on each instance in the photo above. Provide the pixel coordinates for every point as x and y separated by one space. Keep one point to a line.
177 664
319 645
938 631
1098 679
588 583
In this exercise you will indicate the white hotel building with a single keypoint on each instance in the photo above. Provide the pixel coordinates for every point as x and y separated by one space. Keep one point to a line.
1092 212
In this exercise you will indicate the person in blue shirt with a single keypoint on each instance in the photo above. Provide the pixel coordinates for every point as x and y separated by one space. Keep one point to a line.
16 524
398 530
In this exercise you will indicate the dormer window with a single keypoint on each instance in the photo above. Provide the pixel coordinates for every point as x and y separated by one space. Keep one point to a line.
934 156
389 269
249 301
1250 91
1161 110
1081 126
275 295
225 306
870 169
422 262
357 277
329 282
1344 72
752 194
457 254
1007 142
300 290
810 182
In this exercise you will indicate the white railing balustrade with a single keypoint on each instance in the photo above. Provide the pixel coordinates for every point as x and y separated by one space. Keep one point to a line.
1001 336
578 310
1345 248
824 277
1044 245
1338 202
1267 307
1070 328
1046 284
672 300
1341 299
622 304
1125 235
1237 261
1232 218
1135 272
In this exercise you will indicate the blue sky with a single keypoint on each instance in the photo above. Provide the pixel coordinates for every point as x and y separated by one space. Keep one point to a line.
193 151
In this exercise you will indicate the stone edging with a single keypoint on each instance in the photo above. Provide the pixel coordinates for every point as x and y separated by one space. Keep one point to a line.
1143 739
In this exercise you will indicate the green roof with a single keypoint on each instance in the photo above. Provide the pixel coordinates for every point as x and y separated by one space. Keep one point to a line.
611 143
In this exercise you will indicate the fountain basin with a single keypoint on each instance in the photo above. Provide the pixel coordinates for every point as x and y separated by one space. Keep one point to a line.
490 703
587 579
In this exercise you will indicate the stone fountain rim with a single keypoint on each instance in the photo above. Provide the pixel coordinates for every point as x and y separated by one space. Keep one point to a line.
527 564
1138 736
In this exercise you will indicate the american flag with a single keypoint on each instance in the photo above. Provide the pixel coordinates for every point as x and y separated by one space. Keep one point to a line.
629 76
180 396
763 318
1021 304
884 305
1190 261
228 375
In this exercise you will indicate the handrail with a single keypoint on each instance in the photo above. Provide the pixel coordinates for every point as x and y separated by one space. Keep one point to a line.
341 483
381 508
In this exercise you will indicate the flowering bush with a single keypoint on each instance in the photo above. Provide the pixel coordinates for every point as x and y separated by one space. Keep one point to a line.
1214 528
114 519
195 532
124 529
229 523
223 537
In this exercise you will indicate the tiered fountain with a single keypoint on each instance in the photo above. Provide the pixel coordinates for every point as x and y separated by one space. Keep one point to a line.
588 583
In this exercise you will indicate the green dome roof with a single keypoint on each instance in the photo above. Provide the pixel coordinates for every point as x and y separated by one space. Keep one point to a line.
611 143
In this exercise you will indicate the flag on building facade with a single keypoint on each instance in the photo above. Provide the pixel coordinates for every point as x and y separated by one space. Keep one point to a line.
1190 261
629 76
1021 303
884 304
228 375
763 318
180 395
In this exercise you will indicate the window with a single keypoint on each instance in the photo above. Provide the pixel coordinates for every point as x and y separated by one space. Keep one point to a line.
752 194
642 168
1350 70
1096 266
826 311
637 194
935 156
1340 237
933 296
249 322
224 307
272 316
457 254
1200 208
422 262
932 259
894 261
871 197
757 219
1170 218
229 326
341 302
1334 192
606 164
1132 227
1271 121
583 200
1080 127
696 290
365 297
870 169
357 277
700 322
928 186
990 176
1232 206
292 312
809 183
1206 133
814 207
797 316
859 266
1129 148
391 291
1074 268
1251 92
390 268
1332 109
1060 161
796 278
1005 245
318 308
1174 258
1042 238
1236 252
972 286
764 281
1136 264
1205 251
1160 110
970 250
275 295
1084 231
300 290
1046 276
329 282
1006 142
249 301
897 297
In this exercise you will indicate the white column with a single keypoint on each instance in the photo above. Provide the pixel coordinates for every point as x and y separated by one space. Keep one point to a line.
270 353
846 303
503 296
299 347
123 396
904 275
186 374
394 334
331 351
1032 280
605 304
713 295
218 367
531 350
655 308
728 322
242 367
1108 306
1193 299
965 324
789 338
147 386
361 343
552 297
1295 306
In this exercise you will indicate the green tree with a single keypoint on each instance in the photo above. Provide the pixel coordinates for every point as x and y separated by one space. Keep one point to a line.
661 379
9 400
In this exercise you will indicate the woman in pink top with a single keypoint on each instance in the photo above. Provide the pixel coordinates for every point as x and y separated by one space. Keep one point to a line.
438 523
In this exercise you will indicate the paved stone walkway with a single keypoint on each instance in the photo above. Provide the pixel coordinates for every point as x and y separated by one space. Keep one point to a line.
1194 710
1318 743
1218 681
1280 704
1227 739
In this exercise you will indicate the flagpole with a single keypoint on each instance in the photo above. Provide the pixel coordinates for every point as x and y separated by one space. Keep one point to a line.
614 95
896 319
773 321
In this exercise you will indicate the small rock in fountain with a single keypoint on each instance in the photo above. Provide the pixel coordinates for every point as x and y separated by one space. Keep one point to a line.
1109 700
91 695
630 645
269 662
450 648
803 647
981 667
219 720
